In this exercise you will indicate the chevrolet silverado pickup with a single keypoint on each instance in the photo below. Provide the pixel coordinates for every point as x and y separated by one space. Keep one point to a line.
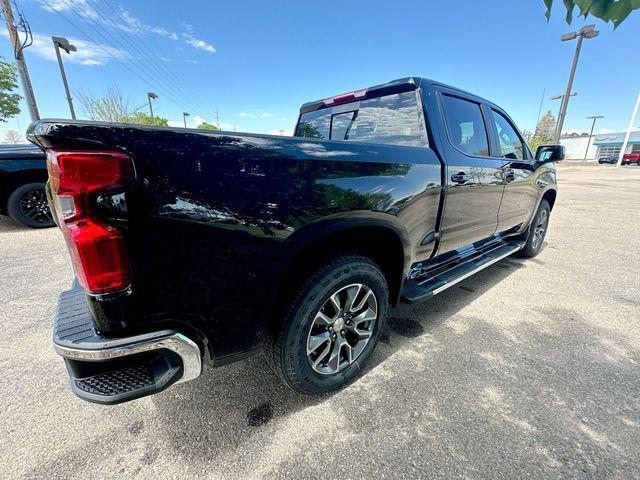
194 247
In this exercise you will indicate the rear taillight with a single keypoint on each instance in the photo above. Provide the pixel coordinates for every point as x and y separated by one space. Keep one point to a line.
97 250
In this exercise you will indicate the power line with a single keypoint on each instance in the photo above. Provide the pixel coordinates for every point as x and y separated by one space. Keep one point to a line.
172 95
179 90
83 32
142 42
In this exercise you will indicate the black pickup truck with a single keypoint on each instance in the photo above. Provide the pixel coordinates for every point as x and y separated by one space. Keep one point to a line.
23 173
193 246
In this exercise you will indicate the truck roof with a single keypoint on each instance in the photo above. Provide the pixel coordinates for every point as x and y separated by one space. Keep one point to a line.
394 86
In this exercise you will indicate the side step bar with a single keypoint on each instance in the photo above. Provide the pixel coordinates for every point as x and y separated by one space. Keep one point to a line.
432 285
115 370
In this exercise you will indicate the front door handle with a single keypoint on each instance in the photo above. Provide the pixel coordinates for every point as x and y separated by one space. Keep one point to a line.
510 176
460 177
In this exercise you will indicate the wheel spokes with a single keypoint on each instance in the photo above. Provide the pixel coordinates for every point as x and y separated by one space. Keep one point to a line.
352 295
342 328
322 319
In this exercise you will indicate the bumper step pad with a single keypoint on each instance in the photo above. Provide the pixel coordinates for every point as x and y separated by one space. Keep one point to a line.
117 382
112 370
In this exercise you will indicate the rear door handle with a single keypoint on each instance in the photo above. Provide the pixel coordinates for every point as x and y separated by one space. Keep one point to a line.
460 177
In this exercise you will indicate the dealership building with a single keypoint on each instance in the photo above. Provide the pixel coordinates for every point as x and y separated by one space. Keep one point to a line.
601 145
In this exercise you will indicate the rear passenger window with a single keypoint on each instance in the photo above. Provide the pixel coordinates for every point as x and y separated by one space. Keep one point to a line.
393 120
510 144
466 126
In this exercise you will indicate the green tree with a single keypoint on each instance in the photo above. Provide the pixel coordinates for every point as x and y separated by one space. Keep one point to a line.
545 131
305 129
113 106
614 11
145 119
207 126
9 100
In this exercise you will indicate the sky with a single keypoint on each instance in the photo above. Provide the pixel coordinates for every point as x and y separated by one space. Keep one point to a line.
256 62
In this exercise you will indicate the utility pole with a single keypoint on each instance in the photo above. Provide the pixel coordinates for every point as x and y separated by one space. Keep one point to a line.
217 119
63 43
593 125
151 96
21 63
184 118
626 137
588 32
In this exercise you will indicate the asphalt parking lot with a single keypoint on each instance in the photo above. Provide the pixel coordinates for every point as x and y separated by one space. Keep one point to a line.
530 369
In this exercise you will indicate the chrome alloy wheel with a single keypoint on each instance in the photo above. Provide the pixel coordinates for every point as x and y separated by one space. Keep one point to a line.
342 328
541 227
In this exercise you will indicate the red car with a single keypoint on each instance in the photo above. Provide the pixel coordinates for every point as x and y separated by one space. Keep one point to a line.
629 158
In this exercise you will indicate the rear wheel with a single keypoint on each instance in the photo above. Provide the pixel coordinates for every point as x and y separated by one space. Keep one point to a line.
537 231
332 326
28 206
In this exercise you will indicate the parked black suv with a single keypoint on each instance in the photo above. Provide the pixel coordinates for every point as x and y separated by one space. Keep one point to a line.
192 245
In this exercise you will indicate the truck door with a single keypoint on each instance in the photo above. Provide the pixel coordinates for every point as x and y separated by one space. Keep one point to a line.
520 191
473 179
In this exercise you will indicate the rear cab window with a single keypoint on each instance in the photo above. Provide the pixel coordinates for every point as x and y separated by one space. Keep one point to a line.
465 125
394 119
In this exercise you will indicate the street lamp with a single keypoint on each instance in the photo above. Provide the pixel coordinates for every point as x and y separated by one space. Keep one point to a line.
151 96
558 97
63 43
561 97
184 118
593 125
588 32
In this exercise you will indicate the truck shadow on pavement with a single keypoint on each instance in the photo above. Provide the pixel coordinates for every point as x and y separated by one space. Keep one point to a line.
8 225
224 407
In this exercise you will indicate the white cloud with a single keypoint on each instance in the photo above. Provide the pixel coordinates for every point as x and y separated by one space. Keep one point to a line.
88 53
198 43
125 21
258 114
77 6
604 131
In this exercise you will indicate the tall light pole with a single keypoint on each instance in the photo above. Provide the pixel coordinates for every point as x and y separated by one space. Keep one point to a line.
151 96
593 125
184 117
21 63
626 137
561 97
63 43
588 32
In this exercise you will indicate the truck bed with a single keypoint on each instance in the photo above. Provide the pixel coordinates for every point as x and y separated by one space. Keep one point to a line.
208 210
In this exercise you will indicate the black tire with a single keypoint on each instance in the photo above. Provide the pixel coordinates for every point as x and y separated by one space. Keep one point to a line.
289 349
534 240
28 206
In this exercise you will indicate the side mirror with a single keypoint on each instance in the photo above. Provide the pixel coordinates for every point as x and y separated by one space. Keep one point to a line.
550 153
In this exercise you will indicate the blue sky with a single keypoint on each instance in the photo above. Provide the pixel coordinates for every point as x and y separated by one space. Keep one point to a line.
257 61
